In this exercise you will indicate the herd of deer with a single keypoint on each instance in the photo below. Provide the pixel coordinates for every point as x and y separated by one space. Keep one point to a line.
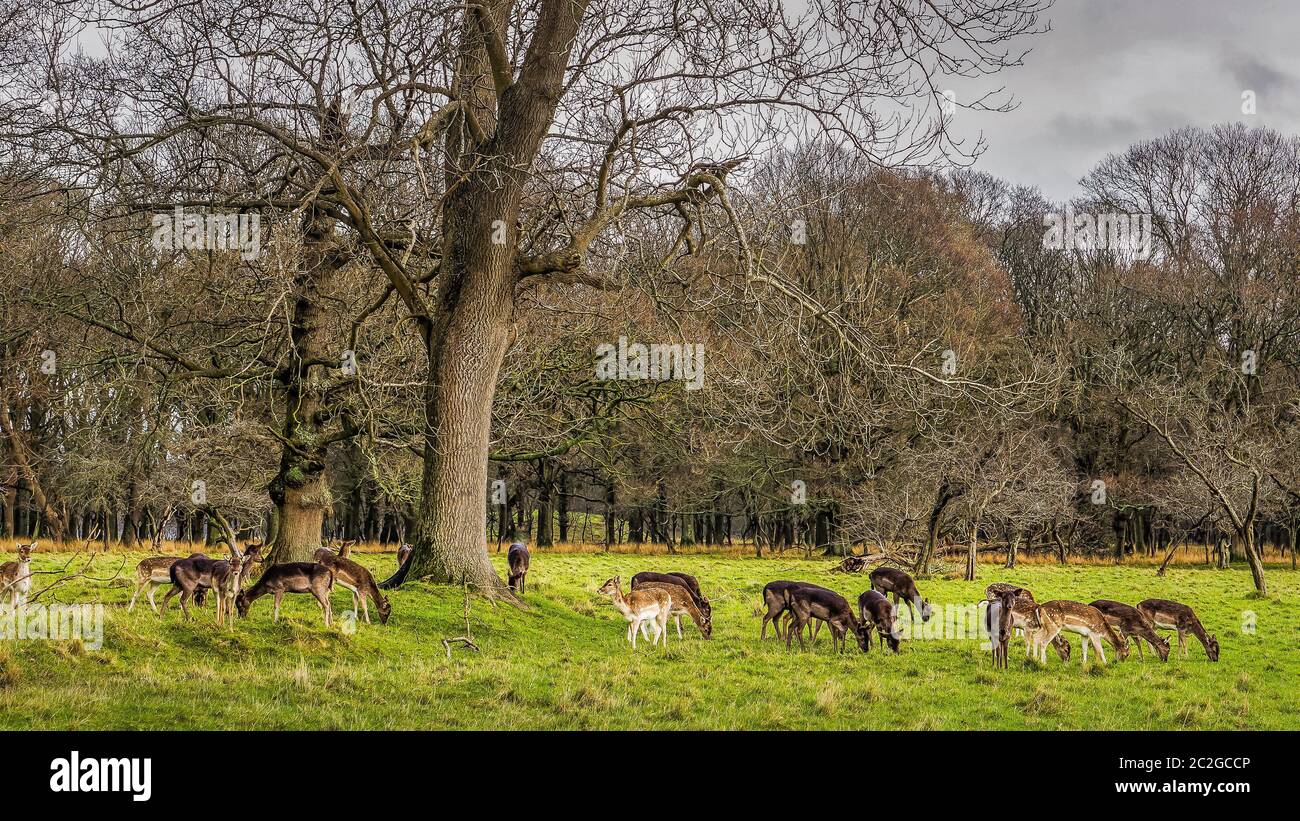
793 607
192 576
796 608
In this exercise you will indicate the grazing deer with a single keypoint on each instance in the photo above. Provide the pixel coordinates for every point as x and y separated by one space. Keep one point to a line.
1074 617
225 585
683 580
293 577
1172 615
682 605
875 611
357 580
154 572
997 621
776 598
1129 622
811 602
901 586
1022 615
517 557
403 553
639 606
16 577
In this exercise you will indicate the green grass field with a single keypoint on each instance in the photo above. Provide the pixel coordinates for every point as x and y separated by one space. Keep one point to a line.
565 663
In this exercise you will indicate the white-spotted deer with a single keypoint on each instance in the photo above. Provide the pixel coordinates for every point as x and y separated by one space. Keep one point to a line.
653 606
1074 617
1022 615
682 605
16 577
292 577
1172 615
1129 622
357 579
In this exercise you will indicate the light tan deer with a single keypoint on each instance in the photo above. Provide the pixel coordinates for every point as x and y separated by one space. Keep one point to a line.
1172 615
226 577
640 606
1074 617
16 577
682 605
151 574
357 579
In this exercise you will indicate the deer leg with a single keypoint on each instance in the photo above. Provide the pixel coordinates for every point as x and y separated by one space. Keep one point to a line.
1182 643
1096 644
636 624
185 595
171 592
153 588
275 614
138 588
1141 655
324 600
678 620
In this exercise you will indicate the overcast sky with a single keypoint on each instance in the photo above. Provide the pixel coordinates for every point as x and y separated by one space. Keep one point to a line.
1114 72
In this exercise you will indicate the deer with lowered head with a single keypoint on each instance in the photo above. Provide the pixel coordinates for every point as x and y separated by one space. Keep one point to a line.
875 612
16 577
653 606
1172 615
357 580
682 605
1129 622
1074 617
812 602
517 558
901 586
689 588
291 577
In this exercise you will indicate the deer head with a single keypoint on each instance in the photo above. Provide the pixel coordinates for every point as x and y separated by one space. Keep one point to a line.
385 608
1211 647
25 551
612 587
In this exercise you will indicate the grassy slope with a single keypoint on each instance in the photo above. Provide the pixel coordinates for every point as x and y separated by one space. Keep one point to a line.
565 664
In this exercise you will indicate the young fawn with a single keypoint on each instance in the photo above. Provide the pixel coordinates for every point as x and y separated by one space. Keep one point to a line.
1129 622
293 577
356 579
1075 617
16 577
1172 615
151 574
653 606
683 604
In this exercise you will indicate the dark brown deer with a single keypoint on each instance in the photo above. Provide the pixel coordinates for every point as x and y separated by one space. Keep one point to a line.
1129 622
518 559
997 621
1172 615
192 575
1022 615
875 612
357 580
900 586
292 577
812 602
682 605
777 601
683 579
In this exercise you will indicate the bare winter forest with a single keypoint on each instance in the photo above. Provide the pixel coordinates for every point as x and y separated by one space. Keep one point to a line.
382 271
